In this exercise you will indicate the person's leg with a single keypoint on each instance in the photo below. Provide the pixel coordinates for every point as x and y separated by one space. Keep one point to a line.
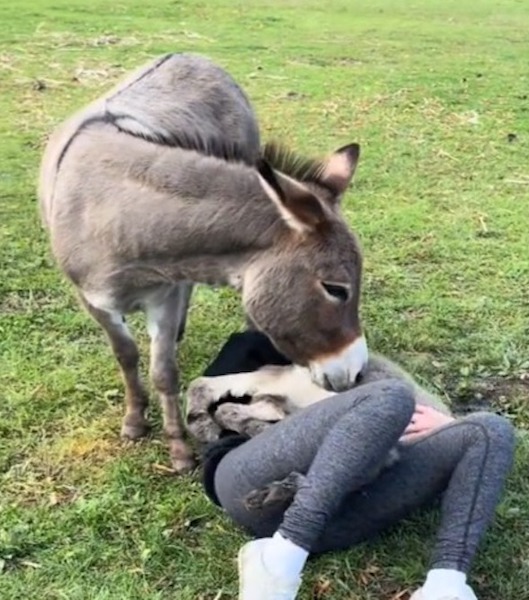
468 460
467 463
367 420
340 444
470 502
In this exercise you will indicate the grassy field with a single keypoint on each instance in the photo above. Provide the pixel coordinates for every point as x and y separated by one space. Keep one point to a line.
436 92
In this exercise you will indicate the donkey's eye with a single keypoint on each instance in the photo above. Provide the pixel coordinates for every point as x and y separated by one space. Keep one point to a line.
337 291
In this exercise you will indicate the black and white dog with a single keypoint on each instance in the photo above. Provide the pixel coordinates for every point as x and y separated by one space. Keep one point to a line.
250 386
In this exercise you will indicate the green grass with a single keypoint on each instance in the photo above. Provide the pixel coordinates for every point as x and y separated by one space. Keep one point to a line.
432 90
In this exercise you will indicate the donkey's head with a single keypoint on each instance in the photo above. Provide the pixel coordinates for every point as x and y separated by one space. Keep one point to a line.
304 291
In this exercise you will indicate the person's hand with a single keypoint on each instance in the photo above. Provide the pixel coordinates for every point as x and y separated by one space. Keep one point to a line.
425 419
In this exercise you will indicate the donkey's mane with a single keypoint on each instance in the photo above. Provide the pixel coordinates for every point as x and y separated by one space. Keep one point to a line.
295 165
279 157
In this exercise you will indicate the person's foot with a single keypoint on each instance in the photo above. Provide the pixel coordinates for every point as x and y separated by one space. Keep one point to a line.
255 580
465 593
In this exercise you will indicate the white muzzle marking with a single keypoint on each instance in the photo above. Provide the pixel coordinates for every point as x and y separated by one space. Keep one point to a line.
340 371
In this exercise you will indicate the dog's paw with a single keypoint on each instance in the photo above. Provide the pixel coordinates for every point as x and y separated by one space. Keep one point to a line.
276 493
221 387
202 392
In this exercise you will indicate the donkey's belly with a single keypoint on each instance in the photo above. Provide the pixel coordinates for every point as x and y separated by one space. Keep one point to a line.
130 300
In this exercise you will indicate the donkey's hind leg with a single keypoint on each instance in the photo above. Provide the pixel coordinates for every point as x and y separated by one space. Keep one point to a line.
164 319
186 293
126 352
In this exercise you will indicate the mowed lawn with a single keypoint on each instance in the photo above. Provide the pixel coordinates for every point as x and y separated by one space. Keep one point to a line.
437 94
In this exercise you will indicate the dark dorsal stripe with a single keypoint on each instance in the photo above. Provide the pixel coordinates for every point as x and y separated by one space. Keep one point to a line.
214 147
163 59
279 157
194 141
82 126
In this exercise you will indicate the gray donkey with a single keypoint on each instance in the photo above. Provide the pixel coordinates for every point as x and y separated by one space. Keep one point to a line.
162 183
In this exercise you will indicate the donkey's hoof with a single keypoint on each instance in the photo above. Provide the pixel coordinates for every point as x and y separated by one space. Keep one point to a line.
182 458
134 430
182 466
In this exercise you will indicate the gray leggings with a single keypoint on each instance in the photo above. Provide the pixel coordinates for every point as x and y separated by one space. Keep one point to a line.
338 442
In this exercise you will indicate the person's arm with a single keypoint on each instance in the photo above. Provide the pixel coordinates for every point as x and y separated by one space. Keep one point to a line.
425 419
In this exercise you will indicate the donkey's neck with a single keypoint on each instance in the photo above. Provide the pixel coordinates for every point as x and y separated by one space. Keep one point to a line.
191 217
224 269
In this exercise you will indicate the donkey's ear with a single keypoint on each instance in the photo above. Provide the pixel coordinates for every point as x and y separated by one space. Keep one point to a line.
340 168
300 209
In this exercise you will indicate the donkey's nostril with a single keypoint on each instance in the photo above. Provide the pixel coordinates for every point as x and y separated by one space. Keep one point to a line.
359 378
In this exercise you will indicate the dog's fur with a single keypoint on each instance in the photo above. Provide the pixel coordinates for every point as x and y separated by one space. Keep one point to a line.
251 386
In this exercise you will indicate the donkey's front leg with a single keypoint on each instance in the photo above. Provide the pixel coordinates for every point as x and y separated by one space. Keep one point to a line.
135 425
163 322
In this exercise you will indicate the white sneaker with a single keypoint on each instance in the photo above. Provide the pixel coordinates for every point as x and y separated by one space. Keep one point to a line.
465 594
255 582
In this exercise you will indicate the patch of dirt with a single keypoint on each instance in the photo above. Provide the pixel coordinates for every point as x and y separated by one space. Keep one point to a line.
85 76
93 450
53 473
506 395
318 61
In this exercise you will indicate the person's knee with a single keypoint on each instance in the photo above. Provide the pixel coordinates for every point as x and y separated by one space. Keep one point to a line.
496 428
399 394
392 397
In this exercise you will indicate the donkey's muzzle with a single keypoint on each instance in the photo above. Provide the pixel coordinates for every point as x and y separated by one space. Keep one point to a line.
340 371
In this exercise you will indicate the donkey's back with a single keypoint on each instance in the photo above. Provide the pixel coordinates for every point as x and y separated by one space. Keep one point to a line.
178 100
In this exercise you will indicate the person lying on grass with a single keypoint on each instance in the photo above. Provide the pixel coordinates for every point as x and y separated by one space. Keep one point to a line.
327 477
